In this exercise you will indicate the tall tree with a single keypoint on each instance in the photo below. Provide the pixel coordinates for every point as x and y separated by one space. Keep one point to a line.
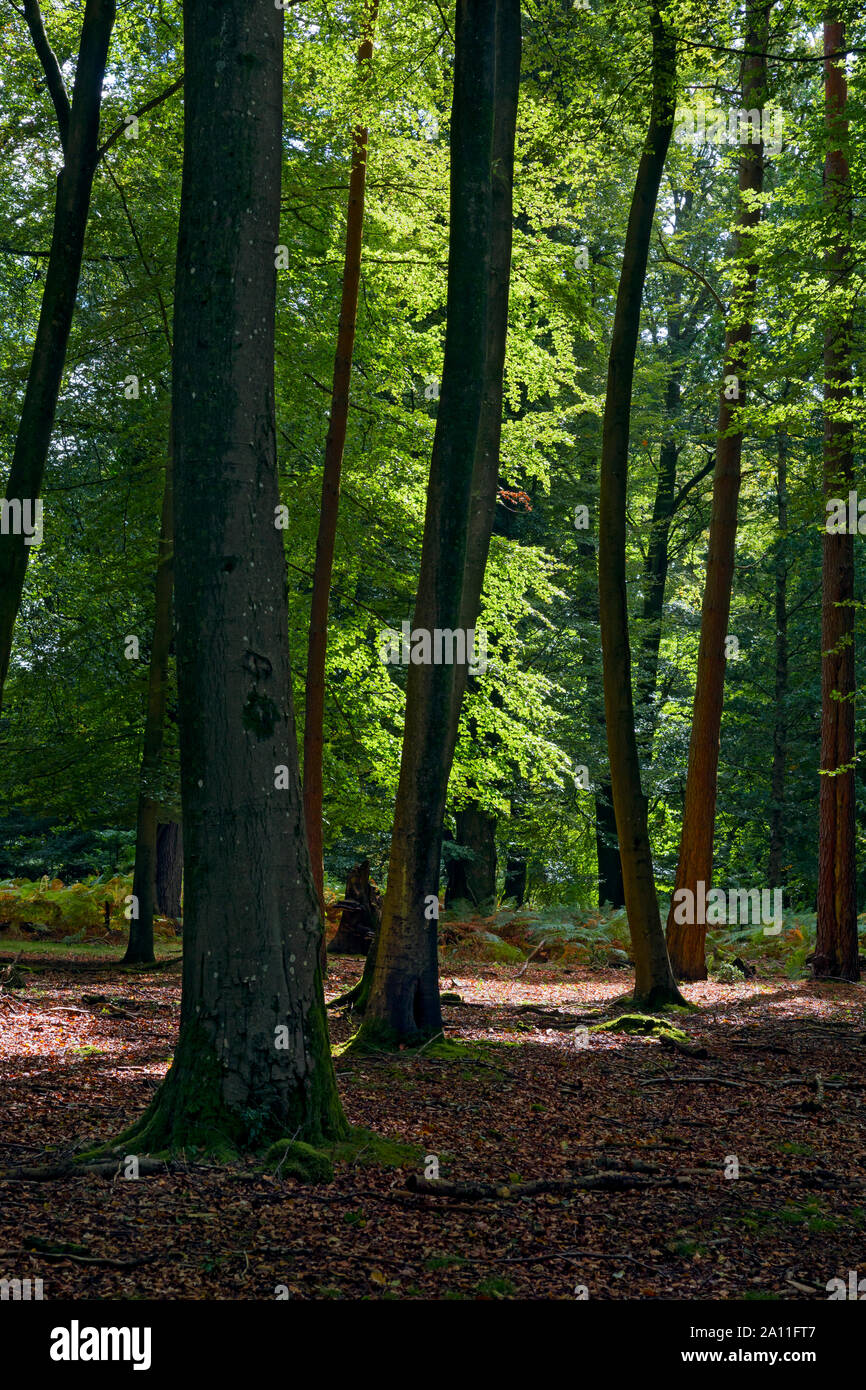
139 948
78 126
314 704
654 983
686 941
252 1059
461 500
836 948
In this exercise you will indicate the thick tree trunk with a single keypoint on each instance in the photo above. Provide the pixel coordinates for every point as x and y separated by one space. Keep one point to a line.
610 886
140 947
686 941
461 497
836 944
79 131
169 869
252 1060
314 707
473 880
654 983
776 867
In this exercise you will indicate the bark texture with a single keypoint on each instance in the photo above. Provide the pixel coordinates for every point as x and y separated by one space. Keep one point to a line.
253 1060
836 951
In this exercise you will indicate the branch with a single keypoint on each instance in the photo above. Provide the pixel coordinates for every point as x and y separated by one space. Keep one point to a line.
148 106
50 67
697 274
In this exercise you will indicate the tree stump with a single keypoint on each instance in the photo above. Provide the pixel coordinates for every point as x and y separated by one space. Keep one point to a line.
361 914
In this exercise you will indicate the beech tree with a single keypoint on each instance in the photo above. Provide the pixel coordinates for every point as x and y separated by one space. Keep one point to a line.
686 940
654 983
836 947
317 643
461 498
252 1060
78 128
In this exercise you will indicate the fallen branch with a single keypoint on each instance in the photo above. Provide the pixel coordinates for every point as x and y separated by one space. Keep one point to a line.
605 1182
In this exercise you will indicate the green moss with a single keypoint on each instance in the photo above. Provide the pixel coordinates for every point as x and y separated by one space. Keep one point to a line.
293 1159
640 1023
363 1146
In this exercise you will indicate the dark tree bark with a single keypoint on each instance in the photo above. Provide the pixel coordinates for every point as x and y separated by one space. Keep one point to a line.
461 497
140 946
473 880
836 951
654 983
361 914
686 941
610 885
78 124
776 867
252 1060
314 706
169 869
515 878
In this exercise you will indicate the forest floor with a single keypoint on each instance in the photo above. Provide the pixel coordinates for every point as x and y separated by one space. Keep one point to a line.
780 1090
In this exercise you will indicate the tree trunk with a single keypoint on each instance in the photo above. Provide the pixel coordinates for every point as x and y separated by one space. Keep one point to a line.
836 943
473 880
79 132
515 878
314 708
140 947
461 497
776 867
610 887
252 1061
169 869
654 983
686 941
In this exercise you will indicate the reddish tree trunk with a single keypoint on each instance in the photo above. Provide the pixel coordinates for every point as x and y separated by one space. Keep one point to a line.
654 983
686 941
314 716
836 945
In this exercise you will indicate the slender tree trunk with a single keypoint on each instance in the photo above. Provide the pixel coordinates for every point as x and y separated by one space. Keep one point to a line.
140 946
79 132
610 885
461 497
252 1060
314 714
686 941
169 869
656 570
654 983
836 945
776 867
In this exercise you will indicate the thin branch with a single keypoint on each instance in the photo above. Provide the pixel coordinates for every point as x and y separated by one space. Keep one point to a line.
697 274
148 106
50 67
